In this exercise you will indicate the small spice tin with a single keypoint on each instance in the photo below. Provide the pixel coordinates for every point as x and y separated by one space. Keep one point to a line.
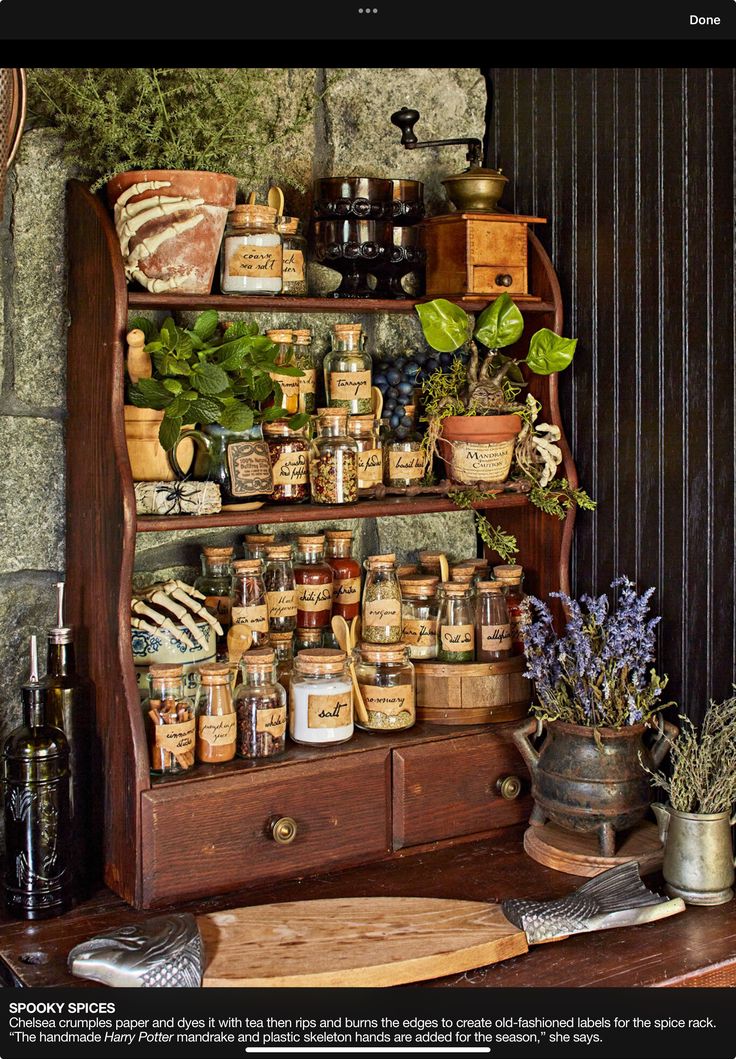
261 707
386 679
320 698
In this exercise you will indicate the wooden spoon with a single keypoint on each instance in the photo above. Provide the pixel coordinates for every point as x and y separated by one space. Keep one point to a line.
239 639
376 401
276 199
444 569
342 635
355 631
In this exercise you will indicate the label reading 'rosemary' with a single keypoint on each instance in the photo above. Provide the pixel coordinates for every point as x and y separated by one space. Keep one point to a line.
388 700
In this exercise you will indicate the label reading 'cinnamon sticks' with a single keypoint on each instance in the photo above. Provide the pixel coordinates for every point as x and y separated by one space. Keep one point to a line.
382 612
290 469
495 637
350 385
330 711
405 464
218 731
388 700
254 615
346 591
420 632
487 462
370 468
256 262
250 468
178 739
272 721
282 604
314 597
457 638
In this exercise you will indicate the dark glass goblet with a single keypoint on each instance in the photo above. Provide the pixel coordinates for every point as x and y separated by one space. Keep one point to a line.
355 249
407 255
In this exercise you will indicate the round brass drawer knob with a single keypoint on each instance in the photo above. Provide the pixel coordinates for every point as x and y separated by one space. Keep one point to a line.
504 279
283 830
509 787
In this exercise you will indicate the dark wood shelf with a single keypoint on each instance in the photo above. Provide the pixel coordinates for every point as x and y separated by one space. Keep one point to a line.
283 513
236 303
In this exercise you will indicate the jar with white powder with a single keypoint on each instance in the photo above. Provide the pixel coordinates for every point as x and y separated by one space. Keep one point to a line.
251 257
320 698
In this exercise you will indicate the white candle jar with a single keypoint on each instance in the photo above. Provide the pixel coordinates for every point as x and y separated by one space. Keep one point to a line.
252 254
320 698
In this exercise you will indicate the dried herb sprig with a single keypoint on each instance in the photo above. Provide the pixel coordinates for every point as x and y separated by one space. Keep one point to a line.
502 543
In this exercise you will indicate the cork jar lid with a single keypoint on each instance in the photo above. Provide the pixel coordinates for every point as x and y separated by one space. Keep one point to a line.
319 660
381 560
281 429
384 652
302 336
347 329
339 535
259 538
248 566
251 213
288 225
511 572
407 570
489 586
431 558
281 637
310 540
418 587
218 553
462 573
278 551
455 588
309 636
170 670
333 413
215 673
280 335
258 658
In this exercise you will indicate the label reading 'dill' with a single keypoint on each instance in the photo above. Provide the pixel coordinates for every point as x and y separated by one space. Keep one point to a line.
314 597
255 615
405 464
258 262
421 632
486 463
219 607
272 721
346 591
350 385
495 637
382 612
293 266
457 637
388 700
250 468
290 469
330 711
218 731
370 468
178 739
282 604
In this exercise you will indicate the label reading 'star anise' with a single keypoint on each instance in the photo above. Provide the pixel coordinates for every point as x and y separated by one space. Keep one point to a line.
255 615
330 711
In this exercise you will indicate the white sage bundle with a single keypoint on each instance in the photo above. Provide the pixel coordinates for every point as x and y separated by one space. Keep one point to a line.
177 498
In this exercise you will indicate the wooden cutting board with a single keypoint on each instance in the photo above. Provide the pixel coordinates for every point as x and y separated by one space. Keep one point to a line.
358 941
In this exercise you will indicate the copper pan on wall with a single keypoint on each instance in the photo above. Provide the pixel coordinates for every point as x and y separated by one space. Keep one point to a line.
12 117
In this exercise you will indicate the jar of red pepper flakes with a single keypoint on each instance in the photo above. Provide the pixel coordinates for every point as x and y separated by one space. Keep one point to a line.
313 578
346 573
289 453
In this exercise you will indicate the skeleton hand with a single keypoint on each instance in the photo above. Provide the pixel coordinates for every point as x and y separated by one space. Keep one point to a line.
178 599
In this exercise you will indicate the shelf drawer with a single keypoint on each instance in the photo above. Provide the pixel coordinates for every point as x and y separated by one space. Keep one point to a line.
497 279
212 835
448 788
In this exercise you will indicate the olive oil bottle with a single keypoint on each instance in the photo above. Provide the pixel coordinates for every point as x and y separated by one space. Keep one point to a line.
38 858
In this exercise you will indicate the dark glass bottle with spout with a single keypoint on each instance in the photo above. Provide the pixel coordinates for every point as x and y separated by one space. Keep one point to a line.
69 707
38 848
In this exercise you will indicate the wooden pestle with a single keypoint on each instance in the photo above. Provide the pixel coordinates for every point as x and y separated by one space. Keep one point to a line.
139 362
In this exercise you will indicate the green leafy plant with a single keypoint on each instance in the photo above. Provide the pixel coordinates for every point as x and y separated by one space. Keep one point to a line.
216 119
202 377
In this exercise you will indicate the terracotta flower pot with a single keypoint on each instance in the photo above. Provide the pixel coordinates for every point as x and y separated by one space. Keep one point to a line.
148 460
172 242
478 448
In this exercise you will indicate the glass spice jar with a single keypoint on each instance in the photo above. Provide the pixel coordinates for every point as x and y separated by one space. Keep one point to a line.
251 260
278 580
306 360
381 619
216 720
307 639
288 451
345 574
492 626
364 431
254 545
313 579
170 720
512 581
214 583
419 612
333 461
249 605
320 698
404 461
283 649
386 679
260 704
456 623
347 369
294 273
286 357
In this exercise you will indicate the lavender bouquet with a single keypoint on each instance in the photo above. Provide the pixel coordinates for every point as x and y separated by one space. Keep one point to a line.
596 673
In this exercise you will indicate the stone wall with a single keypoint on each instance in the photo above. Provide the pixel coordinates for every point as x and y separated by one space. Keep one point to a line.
351 133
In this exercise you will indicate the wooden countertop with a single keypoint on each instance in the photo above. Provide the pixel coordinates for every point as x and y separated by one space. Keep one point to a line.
693 949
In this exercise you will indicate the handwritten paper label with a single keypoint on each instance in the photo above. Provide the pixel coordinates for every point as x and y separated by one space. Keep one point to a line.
289 390
346 591
254 615
250 468
382 612
389 700
272 721
350 386
330 711
406 465
219 607
457 638
495 637
370 468
293 269
308 381
314 597
218 730
489 462
282 604
257 262
420 632
291 469
178 739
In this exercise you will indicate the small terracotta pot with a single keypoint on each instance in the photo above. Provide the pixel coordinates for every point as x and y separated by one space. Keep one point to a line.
184 261
148 460
478 448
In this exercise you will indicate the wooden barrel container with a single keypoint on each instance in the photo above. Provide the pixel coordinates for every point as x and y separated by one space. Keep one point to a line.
472 692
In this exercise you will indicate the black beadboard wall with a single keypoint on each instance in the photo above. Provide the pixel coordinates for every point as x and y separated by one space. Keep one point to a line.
634 169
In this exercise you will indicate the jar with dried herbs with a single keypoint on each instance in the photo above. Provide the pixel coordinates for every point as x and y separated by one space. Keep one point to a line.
216 720
294 269
320 698
404 461
492 626
364 431
512 581
308 361
381 619
260 704
456 623
347 369
254 545
170 720
345 573
286 358
214 584
386 679
419 612
249 603
288 451
333 461
313 578
278 579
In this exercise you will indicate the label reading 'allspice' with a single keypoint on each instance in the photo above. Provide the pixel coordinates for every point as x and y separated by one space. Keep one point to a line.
178 739
350 385
282 604
250 468
370 468
346 591
290 469
495 637
272 721
487 462
218 730
388 700
420 632
293 266
255 615
382 612
405 464
330 711
256 262
457 638
314 597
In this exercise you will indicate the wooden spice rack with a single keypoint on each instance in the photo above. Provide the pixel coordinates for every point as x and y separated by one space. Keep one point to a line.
374 797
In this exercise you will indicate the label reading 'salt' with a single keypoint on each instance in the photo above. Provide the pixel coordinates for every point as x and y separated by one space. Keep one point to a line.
256 262
330 711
